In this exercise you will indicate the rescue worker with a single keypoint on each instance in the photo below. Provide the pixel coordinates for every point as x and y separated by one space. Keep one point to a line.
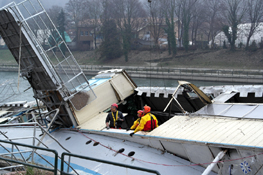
114 118
137 122
148 122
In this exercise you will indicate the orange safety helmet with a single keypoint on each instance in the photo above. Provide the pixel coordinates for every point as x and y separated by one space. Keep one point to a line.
115 105
140 112
147 109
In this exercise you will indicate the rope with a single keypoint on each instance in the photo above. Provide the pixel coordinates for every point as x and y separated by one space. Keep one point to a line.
150 3
150 72
19 57
154 163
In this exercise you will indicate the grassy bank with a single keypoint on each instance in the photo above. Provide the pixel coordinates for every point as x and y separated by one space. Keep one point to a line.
225 59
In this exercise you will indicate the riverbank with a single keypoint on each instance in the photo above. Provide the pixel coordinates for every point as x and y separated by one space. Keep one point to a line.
212 59
205 65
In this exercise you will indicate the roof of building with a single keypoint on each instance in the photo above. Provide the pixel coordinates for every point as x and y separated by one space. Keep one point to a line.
67 38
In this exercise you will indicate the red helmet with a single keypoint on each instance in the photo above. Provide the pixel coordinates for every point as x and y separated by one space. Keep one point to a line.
147 109
115 105
140 112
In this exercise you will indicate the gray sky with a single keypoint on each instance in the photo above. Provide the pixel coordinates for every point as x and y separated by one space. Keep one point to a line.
47 3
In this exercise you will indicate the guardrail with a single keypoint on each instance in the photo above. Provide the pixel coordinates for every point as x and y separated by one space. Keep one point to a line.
21 159
26 162
204 74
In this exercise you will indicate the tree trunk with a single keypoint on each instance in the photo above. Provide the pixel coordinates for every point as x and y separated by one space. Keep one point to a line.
234 37
95 38
169 42
251 32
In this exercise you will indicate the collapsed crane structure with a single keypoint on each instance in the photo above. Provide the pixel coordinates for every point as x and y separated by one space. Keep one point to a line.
45 60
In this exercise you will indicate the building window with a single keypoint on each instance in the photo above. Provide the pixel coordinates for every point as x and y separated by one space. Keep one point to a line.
87 33
86 42
81 33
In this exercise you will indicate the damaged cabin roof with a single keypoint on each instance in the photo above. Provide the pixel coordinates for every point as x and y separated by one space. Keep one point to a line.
242 89
215 90
249 111
212 130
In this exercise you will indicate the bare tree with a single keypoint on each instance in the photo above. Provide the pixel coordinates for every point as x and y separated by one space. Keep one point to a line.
234 13
198 20
213 9
178 13
42 26
184 13
110 47
169 11
53 13
128 15
106 10
157 19
127 12
186 17
76 9
94 12
255 14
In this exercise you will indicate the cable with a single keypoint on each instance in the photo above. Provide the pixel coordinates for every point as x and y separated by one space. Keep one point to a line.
150 3
19 57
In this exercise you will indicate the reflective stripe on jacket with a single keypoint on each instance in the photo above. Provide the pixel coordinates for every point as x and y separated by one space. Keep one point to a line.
146 124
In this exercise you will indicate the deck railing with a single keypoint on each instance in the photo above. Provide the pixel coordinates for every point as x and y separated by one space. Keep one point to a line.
105 162
28 158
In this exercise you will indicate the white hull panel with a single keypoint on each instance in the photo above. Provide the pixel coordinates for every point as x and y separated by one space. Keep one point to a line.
75 142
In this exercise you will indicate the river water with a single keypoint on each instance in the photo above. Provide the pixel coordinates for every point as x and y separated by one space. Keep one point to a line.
21 95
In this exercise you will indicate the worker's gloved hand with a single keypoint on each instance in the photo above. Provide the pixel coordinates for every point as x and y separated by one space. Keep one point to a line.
107 127
131 134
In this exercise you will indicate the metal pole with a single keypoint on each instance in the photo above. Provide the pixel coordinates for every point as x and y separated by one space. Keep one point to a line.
219 156
171 98
34 137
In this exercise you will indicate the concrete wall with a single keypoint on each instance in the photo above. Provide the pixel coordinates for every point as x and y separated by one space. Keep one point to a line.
225 75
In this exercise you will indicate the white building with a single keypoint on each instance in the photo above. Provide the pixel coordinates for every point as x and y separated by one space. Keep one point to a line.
242 34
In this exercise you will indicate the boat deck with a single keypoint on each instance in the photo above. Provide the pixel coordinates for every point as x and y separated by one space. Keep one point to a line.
213 130
218 131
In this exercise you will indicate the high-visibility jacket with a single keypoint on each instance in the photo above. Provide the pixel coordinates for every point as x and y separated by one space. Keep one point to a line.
113 117
136 123
147 123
